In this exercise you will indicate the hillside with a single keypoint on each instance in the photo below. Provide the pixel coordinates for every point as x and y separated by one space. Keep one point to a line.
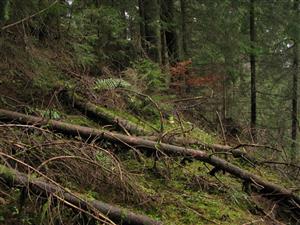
163 187
95 131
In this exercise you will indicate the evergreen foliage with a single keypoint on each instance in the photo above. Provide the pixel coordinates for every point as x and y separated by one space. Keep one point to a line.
151 75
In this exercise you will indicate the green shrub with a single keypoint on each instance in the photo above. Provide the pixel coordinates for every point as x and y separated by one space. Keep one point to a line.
151 75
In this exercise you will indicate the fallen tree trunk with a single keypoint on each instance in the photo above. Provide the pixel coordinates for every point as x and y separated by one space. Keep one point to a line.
39 187
99 114
218 163
237 153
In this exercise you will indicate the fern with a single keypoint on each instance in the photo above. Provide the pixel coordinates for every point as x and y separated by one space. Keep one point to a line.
110 84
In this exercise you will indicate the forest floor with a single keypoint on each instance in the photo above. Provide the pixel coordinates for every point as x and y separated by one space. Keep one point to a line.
164 188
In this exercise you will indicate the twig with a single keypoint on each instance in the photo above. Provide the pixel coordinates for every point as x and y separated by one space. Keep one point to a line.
254 221
70 157
181 128
81 210
131 147
187 99
222 128
154 103
72 142
280 163
256 146
25 126
123 128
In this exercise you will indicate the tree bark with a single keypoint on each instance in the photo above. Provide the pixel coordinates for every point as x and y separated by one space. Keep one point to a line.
253 70
265 187
39 187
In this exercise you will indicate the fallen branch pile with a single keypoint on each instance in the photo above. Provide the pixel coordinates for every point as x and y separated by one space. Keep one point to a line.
264 186
42 188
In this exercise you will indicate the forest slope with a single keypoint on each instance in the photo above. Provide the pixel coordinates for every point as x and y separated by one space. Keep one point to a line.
169 189
137 111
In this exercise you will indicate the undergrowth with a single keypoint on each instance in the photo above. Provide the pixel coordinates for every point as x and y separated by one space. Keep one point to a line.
169 191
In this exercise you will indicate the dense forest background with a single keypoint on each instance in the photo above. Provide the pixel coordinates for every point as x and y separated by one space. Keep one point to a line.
229 68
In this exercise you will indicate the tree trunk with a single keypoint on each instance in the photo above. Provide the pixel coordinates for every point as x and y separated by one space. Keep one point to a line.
264 186
169 29
236 152
164 50
150 13
39 187
295 85
184 32
253 70
142 23
224 98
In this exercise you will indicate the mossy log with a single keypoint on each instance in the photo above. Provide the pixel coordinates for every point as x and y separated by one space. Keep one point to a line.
100 114
97 114
42 188
262 185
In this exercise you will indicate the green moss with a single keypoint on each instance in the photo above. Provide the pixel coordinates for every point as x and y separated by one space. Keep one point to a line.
203 136
90 195
6 172
49 113
179 204
80 120
173 126
113 113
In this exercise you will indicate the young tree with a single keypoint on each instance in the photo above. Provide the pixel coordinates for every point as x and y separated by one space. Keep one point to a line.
184 32
253 69
295 78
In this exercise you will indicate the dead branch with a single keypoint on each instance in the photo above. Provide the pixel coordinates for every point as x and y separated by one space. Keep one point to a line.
155 105
39 187
264 186
280 163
